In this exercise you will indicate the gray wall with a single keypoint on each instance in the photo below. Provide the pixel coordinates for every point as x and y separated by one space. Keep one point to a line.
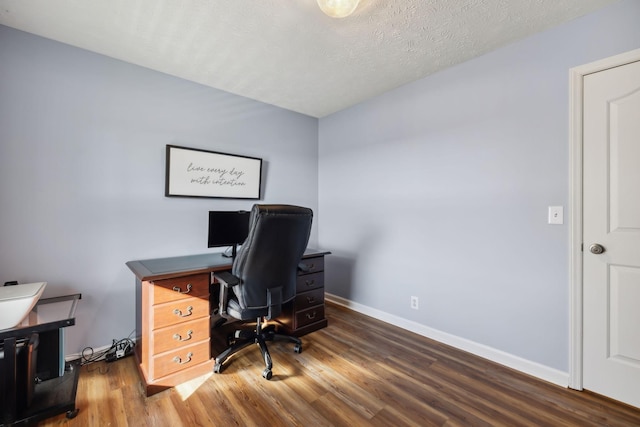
440 189
82 151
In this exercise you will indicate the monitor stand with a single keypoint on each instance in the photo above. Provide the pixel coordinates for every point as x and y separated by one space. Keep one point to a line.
230 252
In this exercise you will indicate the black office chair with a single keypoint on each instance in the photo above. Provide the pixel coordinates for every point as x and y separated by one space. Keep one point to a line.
263 276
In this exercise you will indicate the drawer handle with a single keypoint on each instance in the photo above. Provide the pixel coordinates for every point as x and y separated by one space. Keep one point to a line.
310 282
178 337
311 300
180 362
311 316
305 268
178 312
180 291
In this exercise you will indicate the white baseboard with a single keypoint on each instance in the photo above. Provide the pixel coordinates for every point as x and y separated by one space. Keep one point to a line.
75 356
523 365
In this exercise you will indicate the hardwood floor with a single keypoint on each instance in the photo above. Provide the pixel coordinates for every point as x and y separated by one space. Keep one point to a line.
356 372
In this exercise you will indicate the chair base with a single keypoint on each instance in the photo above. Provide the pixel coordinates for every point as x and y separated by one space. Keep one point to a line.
260 336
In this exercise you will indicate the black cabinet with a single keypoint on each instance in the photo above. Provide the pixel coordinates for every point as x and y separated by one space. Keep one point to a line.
35 383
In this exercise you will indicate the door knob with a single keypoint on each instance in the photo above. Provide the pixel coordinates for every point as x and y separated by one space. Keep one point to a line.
596 249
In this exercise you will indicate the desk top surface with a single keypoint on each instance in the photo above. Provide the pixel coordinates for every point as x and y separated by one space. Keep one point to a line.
165 268
48 314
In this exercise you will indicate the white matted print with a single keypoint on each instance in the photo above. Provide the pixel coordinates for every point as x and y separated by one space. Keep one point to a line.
193 172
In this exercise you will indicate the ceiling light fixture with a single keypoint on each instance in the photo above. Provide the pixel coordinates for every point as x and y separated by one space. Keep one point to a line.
338 8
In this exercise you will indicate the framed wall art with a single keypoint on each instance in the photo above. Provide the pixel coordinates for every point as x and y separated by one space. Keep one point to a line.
192 172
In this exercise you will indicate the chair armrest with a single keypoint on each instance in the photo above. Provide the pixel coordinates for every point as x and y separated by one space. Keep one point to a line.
226 278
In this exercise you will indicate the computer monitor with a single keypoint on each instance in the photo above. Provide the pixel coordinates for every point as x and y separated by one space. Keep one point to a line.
228 228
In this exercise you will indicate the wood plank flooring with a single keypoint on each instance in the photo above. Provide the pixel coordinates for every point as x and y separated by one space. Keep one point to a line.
356 372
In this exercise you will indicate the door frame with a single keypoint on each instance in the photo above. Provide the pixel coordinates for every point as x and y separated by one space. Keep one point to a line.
576 86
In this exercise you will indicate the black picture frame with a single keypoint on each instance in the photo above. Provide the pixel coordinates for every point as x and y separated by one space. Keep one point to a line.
193 172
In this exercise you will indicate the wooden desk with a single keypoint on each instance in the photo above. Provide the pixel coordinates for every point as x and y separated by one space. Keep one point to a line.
173 314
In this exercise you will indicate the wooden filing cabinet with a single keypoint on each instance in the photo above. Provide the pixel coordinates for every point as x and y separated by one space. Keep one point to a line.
174 319
305 313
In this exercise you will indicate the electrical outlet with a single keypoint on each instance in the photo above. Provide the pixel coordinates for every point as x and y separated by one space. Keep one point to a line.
414 303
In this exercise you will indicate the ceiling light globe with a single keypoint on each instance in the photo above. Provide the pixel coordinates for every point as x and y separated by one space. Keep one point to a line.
338 8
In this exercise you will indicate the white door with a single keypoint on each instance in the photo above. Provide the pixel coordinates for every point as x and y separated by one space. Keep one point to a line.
611 219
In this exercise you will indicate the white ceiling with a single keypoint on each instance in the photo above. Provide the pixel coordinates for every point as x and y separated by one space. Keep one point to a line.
287 52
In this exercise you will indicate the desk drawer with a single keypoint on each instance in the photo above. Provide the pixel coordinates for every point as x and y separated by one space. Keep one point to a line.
313 264
174 312
179 359
180 288
182 334
306 317
309 281
309 299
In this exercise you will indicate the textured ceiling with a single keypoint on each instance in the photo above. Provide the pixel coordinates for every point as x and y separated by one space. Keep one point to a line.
287 52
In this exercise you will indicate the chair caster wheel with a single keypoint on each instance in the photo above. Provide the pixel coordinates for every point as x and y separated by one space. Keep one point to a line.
217 368
267 374
297 348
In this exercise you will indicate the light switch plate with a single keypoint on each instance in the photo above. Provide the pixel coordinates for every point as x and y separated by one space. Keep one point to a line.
556 215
